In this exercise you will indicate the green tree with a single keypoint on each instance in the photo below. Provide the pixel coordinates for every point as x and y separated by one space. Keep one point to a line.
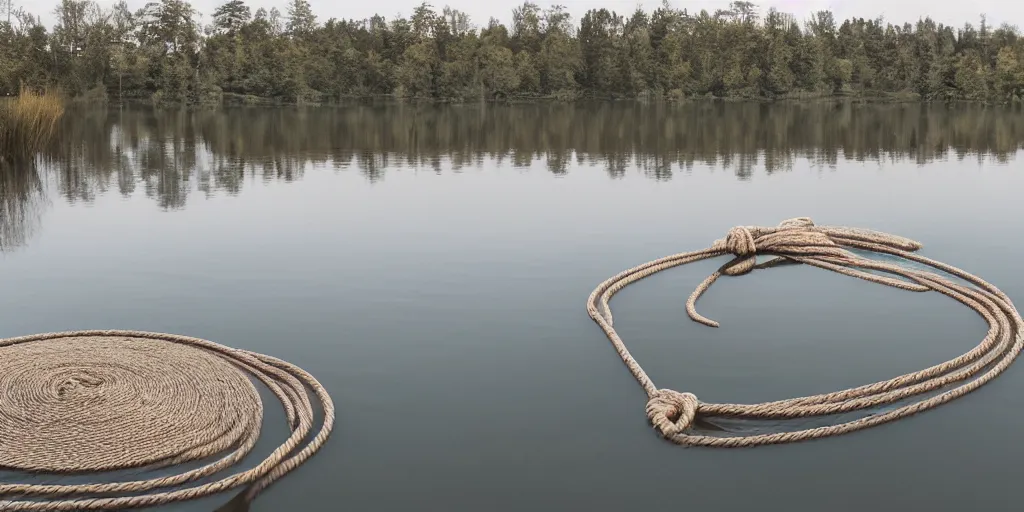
498 70
416 73
301 20
527 74
971 76
776 68
231 16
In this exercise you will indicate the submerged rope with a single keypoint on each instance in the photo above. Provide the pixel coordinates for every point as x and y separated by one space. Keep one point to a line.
94 401
798 240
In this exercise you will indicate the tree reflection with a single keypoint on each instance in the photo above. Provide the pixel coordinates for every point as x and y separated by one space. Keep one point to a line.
21 203
171 154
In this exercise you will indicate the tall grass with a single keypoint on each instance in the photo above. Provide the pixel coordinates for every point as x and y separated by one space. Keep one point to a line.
29 122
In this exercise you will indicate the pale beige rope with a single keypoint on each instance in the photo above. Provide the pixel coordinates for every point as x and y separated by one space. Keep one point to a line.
798 240
93 401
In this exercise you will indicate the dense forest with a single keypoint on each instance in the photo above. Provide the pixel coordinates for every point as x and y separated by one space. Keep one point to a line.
167 51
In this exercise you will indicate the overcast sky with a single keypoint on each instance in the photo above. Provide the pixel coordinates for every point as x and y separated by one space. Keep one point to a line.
954 12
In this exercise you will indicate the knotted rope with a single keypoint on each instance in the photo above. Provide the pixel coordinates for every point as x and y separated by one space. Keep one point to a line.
93 401
798 240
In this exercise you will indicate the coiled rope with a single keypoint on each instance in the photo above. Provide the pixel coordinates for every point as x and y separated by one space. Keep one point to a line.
95 401
673 413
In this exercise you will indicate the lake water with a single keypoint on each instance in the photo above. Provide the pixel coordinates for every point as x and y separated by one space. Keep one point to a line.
430 266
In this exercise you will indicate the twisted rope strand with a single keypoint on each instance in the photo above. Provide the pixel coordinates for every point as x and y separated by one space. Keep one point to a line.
93 401
799 241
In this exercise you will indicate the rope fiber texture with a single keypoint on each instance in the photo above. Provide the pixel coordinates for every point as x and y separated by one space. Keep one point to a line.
100 401
798 240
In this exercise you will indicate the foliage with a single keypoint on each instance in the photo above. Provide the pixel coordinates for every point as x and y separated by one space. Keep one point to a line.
162 52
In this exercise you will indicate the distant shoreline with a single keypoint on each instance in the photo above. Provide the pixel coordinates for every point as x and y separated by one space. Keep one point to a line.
238 54
235 100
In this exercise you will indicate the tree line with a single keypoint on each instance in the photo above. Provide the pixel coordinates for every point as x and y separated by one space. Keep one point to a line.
167 51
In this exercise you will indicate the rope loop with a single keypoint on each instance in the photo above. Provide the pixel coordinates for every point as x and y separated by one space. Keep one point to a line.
799 240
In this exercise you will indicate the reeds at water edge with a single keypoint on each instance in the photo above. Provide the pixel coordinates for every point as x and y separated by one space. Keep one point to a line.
29 122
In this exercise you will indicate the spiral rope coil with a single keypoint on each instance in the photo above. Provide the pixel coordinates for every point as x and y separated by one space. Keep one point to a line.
100 401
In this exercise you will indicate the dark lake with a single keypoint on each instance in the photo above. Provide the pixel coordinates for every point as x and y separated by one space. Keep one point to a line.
430 266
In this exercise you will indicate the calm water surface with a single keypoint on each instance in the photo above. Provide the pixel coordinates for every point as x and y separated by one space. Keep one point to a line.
430 266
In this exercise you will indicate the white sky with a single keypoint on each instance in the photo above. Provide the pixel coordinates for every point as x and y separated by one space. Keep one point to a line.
898 11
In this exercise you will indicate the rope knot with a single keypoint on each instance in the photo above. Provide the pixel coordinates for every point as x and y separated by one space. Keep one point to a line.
672 412
794 235
740 241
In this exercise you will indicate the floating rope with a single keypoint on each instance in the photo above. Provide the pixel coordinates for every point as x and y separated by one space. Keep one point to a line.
798 240
96 401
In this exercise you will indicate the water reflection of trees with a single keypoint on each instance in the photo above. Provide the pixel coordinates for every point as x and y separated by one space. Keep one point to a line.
169 154
21 203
